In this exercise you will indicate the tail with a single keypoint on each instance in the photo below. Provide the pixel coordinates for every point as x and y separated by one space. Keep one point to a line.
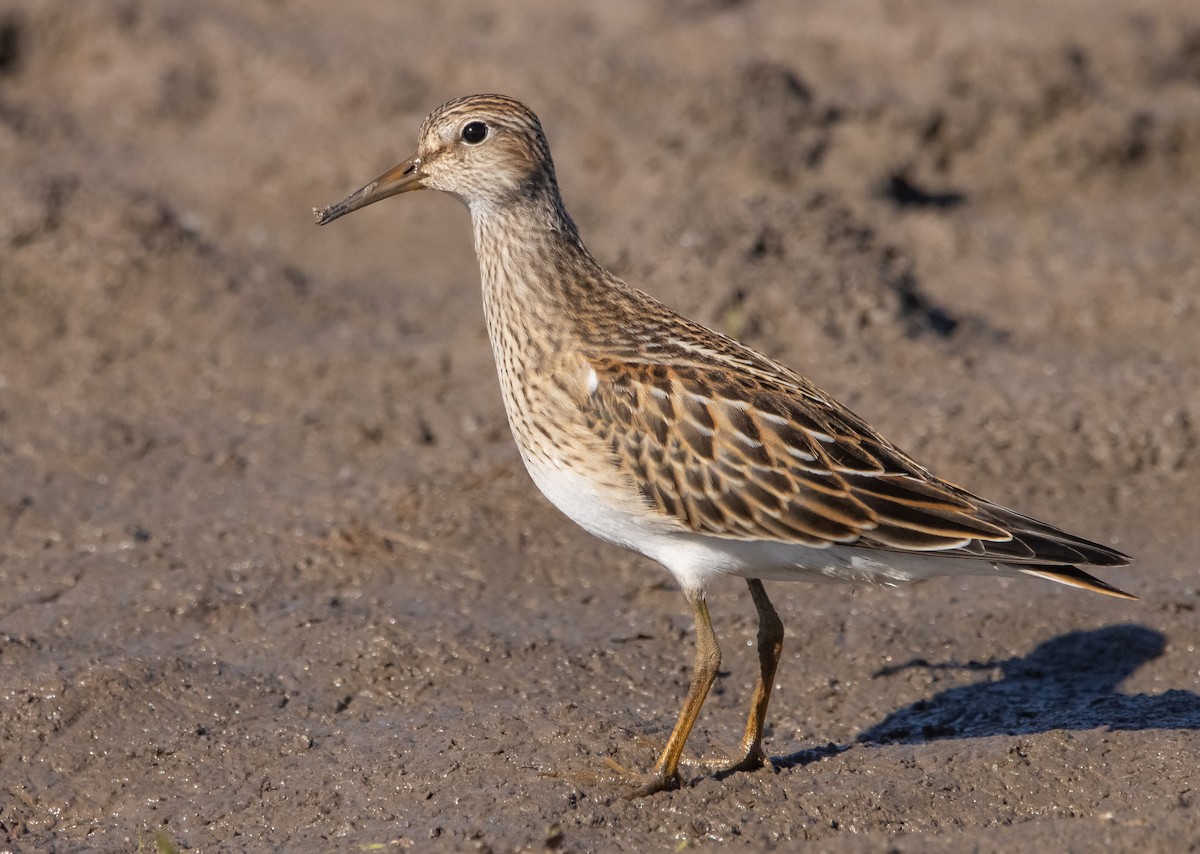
1073 576
1047 552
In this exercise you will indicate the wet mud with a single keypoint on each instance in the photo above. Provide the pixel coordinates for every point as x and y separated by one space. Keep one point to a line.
272 576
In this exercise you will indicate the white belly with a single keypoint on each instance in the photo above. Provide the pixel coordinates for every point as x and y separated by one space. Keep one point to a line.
607 511
621 517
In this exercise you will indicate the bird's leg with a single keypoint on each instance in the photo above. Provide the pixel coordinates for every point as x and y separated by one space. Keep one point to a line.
708 659
770 646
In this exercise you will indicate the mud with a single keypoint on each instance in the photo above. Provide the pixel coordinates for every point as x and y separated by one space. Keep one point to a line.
272 576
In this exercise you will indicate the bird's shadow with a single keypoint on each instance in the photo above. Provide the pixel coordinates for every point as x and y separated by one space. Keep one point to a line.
1069 682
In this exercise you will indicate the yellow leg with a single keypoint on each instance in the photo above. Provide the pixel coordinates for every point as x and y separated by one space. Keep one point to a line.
708 660
770 647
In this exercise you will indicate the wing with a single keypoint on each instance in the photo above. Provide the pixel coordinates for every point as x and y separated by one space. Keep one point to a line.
757 455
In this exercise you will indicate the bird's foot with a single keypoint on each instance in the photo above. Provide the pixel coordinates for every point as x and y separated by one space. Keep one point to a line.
641 784
752 760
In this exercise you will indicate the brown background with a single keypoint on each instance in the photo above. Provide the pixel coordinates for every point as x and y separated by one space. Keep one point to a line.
271 573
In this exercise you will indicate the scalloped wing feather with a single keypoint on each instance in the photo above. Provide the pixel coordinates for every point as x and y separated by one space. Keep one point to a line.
747 455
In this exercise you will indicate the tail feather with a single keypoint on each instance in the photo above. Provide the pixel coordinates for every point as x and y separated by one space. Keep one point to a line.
1035 542
1073 576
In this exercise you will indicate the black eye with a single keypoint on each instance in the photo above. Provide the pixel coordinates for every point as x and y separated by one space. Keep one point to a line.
474 133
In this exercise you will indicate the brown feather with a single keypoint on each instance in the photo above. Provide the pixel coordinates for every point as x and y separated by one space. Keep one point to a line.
817 475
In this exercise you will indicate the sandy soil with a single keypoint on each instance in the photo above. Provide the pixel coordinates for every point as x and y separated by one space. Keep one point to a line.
272 575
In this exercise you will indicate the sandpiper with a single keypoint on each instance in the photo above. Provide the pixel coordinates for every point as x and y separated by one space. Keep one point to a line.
658 434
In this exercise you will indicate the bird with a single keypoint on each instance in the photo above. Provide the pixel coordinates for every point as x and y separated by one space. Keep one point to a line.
658 434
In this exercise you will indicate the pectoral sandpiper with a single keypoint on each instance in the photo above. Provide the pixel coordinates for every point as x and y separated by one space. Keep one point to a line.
663 436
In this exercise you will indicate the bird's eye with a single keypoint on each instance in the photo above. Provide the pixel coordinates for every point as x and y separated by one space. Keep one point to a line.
474 133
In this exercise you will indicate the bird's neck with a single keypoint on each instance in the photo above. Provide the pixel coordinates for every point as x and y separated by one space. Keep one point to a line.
535 227
532 263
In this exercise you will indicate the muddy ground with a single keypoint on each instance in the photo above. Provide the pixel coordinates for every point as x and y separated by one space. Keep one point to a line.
272 575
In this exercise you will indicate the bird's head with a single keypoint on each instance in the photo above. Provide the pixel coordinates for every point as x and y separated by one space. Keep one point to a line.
485 149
